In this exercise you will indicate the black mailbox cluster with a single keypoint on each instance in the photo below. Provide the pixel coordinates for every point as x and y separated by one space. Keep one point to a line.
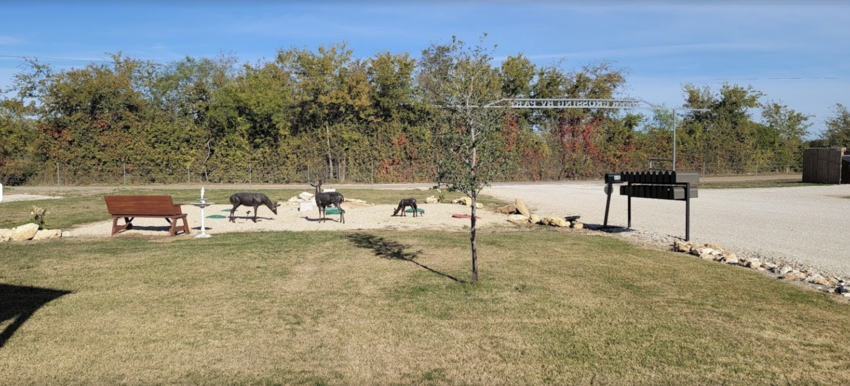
659 184
660 177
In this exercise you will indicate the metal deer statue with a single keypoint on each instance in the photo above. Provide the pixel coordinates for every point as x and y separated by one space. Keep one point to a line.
324 200
404 203
251 199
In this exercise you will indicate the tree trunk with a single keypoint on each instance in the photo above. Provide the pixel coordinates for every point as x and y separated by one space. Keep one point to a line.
330 156
472 240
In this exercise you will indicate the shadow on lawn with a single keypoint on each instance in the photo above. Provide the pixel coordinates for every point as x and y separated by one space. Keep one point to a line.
20 303
393 250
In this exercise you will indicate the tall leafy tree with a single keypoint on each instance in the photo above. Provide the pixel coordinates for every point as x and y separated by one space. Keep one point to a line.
333 94
461 81
724 136
791 128
18 135
838 127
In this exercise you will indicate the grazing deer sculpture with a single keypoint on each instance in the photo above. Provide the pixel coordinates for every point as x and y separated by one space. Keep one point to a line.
324 200
411 202
251 199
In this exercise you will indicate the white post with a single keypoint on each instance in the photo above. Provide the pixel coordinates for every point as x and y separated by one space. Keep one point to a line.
202 204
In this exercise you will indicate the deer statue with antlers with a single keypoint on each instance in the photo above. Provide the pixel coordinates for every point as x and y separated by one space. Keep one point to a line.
324 200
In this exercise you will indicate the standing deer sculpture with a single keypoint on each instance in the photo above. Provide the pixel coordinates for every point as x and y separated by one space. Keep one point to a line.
404 203
324 200
251 199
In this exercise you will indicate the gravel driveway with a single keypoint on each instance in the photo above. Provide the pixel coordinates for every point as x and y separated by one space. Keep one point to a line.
807 225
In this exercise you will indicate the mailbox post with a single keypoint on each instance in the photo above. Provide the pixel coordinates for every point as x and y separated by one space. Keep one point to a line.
610 179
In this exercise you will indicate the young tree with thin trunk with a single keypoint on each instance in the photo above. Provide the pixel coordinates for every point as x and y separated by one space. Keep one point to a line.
460 81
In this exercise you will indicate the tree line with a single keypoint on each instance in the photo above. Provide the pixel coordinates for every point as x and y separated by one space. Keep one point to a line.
346 118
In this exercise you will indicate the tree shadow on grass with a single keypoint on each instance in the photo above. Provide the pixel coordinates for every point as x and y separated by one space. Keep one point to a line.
393 250
18 304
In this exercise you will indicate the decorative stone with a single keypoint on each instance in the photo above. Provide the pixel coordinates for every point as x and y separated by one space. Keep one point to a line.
479 205
432 200
24 232
518 219
463 201
554 221
521 208
5 235
47 234
66 234
507 209
682 247
534 219
789 276
715 247
304 196
577 225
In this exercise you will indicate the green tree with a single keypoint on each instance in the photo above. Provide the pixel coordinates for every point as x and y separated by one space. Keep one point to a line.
461 82
837 132
335 98
18 135
725 136
791 128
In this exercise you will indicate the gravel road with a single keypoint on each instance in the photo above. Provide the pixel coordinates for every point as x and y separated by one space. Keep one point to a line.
807 225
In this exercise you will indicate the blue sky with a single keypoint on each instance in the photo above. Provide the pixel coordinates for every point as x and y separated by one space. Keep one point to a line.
796 52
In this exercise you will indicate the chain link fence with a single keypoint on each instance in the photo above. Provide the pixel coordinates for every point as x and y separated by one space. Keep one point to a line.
354 173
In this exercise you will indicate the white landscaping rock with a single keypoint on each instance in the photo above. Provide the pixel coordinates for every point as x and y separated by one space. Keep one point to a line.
47 234
24 232
306 196
518 219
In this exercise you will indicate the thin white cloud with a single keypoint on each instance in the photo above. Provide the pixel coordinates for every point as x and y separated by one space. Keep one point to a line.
8 41
654 51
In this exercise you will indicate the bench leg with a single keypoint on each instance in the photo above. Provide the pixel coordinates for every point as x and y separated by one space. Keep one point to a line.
185 225
128 224
174 228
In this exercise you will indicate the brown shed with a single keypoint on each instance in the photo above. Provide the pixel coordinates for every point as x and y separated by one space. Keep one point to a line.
826 166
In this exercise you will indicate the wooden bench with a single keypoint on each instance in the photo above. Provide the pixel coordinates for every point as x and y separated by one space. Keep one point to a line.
130 207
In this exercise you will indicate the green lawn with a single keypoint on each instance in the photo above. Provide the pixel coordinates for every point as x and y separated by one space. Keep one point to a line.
385 308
